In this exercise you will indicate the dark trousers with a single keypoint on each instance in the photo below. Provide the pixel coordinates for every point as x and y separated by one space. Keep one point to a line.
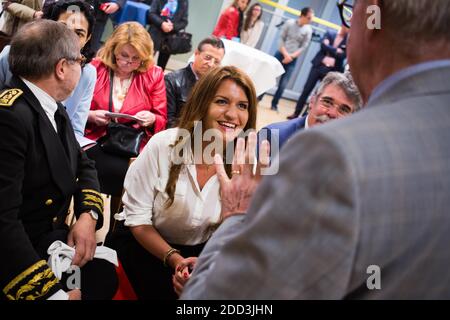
150 279
163 59
111 170
316 74
288 69
97 32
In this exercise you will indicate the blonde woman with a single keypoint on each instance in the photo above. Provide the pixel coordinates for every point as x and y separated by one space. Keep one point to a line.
129 82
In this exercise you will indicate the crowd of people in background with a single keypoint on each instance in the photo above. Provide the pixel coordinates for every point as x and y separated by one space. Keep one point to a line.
192 213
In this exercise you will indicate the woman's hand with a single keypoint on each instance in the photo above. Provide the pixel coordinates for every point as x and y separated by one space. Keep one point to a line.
110 7
182 273
167 26
98 117
146 118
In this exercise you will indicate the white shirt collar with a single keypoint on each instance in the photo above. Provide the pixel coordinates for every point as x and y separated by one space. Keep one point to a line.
47 102
189 219
306 122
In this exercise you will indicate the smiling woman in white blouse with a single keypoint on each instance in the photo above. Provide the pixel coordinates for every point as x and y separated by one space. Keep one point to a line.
253 26
171 199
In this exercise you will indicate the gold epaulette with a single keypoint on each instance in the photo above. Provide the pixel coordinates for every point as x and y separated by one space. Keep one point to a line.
33 283
8 97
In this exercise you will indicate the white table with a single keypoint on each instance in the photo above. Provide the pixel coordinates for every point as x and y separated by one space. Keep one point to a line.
262 68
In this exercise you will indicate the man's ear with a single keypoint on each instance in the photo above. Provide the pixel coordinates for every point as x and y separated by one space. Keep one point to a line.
60 69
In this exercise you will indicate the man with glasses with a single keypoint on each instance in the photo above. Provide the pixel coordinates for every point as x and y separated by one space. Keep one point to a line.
360 207
336 97
41 168
295 38
208 55
330 57
81 21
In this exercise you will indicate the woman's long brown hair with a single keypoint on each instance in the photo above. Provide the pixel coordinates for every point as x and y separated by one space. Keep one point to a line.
248 16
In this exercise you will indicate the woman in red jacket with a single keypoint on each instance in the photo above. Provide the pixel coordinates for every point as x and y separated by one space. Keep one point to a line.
138 89
231 20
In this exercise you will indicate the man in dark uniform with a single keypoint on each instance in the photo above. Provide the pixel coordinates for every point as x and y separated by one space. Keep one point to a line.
42 167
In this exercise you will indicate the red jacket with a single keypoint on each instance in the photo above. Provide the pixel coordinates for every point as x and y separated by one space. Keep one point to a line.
147 92
228 24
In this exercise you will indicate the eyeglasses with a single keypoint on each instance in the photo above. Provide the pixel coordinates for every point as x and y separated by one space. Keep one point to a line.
81 60
127 60
328 103
208 58
346 12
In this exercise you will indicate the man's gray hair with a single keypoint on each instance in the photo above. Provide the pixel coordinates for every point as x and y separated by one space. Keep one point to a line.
345 82
38 46
418 19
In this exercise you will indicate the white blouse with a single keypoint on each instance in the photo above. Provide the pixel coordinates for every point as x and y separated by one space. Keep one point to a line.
252 35
120 90
187 221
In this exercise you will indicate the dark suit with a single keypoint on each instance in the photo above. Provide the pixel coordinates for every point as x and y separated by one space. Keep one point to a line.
179 85
40 171
319 70
280 132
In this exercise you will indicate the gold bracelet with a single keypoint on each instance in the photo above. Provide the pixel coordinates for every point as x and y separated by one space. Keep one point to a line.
169 252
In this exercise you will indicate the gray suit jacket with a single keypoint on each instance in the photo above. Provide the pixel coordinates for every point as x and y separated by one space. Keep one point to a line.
373 189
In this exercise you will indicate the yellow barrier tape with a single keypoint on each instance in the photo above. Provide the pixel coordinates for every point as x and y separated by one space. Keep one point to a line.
297 13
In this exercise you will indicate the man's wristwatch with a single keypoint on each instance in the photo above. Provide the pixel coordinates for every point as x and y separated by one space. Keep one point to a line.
94 215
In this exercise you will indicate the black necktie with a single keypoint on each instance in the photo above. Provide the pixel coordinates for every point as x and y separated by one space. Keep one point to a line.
61 125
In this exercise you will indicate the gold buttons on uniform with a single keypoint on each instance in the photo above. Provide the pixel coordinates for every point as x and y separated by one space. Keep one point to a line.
48 202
